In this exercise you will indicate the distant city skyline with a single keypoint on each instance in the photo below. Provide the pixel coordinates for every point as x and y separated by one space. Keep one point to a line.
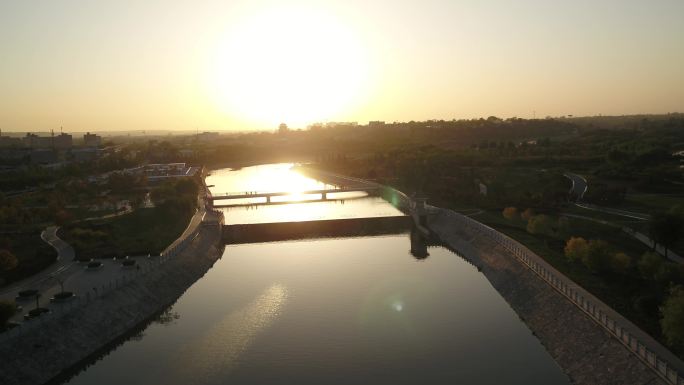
243 65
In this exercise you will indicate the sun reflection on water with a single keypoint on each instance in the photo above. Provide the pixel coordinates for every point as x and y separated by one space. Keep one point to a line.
218 350
281 178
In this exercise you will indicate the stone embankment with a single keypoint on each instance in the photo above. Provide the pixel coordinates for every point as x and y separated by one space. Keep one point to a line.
585 351
52 350
591 342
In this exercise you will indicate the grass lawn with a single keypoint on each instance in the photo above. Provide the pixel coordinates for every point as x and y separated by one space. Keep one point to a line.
32 253
619 292
145 231
613 218
641 226
649 203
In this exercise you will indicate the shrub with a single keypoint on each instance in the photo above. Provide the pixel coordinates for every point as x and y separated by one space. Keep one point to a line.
186 187
646 304
598 256
527 214
87 234
649 265
510 213
8 261
540 224
620 263
672 322
668 273
576 248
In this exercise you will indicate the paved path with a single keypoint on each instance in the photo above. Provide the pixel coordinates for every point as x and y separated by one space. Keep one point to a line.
74 275
608 210
580 187
64 261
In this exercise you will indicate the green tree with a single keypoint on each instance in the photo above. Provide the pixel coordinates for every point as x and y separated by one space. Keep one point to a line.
598 256
186 187
527 214
576 248
649 265
668 273
672 322
665 229
540 224
620 263
510 213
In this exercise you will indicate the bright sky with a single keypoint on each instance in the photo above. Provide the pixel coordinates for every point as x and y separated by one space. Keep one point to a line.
231 64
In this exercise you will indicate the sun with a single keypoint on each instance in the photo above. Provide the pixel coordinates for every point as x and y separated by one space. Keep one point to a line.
289 65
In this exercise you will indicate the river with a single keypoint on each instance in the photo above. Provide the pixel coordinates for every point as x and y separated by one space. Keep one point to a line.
329 311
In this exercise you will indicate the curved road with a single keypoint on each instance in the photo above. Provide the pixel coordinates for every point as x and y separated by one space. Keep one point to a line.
65 259
579 188
579 185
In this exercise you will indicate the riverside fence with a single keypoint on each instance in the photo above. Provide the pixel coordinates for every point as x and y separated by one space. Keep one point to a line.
669 367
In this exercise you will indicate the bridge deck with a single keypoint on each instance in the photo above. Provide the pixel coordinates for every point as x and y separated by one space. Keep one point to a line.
285 193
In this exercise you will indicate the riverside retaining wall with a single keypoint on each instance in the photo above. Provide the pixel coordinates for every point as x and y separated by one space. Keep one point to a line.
591 343
48 349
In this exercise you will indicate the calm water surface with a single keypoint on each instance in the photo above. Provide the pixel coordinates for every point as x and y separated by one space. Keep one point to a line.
279 177
333 311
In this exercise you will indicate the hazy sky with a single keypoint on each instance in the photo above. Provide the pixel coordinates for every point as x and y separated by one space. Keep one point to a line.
133 64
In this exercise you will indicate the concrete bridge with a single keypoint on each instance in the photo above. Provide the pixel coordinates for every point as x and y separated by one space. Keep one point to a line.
268 195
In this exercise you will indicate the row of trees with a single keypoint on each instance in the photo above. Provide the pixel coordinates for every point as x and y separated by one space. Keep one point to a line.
654 283
538 224
598 257
666 228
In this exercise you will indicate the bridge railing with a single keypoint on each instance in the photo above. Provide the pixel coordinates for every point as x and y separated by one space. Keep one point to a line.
668 366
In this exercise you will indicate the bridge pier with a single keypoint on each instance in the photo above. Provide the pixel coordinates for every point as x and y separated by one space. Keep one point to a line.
268 199
419 247
324 195
419 214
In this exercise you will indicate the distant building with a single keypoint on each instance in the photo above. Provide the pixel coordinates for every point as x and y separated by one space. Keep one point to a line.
63 141
14 153
161 171
207 136
35 141
376 123
341 124
92 140
59 142
84 154
7 141
43 156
